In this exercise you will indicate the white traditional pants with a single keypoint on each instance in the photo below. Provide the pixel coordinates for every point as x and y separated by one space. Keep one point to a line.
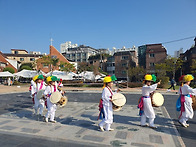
108 120
51 110
39 105
148 112
188 113
143 120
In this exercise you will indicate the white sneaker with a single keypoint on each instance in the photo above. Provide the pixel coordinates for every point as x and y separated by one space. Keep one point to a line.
153 127
183 124
111 129
46 119
53 121
101 129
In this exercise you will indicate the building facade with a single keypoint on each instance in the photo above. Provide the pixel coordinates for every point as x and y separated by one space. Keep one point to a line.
123 61
64 46
54 53
80 54
151 54
5 62
22 56
188 58
110 65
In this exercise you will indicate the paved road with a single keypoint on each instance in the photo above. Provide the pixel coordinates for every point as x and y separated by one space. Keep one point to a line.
14 102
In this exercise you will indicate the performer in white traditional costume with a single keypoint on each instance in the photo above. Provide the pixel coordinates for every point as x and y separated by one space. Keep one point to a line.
52 87
185 92
107 104
145 105
39 85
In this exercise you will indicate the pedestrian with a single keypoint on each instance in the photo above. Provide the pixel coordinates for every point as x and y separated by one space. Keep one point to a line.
52 87
39 104
9 81
106 104
145 104
172 82
186 101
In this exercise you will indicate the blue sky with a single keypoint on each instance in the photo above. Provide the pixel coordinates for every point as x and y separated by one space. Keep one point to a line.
29 24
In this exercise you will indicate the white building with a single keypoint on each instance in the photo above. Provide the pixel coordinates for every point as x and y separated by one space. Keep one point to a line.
134 48
64 46
177 53
80 54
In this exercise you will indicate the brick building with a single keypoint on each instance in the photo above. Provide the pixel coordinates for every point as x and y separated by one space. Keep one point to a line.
151 54
187 58
4 62
124 60
54 53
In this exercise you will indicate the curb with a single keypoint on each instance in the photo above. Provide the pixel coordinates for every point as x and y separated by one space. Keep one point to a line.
179 138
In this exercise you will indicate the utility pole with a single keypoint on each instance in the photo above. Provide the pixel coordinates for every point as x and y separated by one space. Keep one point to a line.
127 73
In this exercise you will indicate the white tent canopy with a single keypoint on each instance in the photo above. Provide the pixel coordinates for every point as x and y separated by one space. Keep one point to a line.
28 73
62 75
89 75
6 74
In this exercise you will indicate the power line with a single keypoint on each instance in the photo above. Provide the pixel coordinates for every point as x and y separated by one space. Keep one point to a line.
178 40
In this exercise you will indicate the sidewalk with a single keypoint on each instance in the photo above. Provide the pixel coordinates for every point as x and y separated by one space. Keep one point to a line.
77 122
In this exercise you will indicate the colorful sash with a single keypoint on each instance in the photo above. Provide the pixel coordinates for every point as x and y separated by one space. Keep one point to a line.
141 104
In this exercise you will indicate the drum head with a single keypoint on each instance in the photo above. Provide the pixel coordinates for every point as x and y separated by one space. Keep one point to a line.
55 97
40 94
118 99
158 99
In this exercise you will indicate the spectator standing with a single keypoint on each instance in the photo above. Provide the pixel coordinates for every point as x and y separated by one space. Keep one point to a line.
172 82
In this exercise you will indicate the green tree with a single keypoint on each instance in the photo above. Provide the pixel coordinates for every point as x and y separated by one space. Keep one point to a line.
66 67
26 67
84 66
52 62
193 67
136 73
11 70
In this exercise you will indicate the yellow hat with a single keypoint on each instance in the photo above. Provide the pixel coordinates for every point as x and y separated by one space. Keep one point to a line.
148 77
188 78
35 78
48 79
107 79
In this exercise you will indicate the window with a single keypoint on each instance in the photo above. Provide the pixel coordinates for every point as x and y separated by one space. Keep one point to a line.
124 72
151 55
78 54
45 65
2 65
54 57
32 59
151 64
16 52
124 57
124 65
21 59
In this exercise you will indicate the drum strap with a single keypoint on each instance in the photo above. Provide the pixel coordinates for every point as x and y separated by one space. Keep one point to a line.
110 92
